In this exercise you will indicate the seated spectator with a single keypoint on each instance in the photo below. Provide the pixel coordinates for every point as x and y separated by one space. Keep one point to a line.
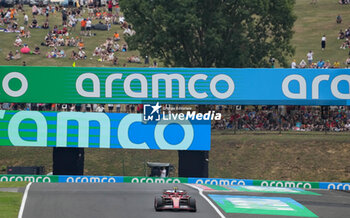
45 25
18 42
302 64
116 47
22 32
320 64
125 47
72 42
129 32
114 19
345 44
27 34
125 25
110 57
52 54
116 36
121 19
336 64
36 51
74 55
339 19
17 55
97 51
81 44
98 15
14 26
61 54
9 56
327 65
344 2
81 54
64 31
341 34
115 61
60 41
34 24
55 29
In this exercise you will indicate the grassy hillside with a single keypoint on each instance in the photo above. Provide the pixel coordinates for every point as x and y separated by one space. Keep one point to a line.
315 20
290 156
38 35
312 22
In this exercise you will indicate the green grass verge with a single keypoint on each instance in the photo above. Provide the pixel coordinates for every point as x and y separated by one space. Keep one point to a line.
10 204
12 184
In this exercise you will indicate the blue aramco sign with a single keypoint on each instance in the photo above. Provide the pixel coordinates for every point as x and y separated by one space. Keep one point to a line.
101 130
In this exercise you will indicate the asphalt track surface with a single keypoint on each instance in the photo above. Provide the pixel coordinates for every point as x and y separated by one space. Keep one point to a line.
136 200
98 200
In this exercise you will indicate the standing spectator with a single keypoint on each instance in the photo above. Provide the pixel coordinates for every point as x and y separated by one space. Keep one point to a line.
110 107
100 108
25 18
118 108
323 42
347 62
47 11
64 16
35 10
162 172
83 25
78 107
293 65
117 9
88 27
88 107
110 6
310 57
272 62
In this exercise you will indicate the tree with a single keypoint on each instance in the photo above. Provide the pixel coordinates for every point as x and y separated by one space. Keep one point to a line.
212 33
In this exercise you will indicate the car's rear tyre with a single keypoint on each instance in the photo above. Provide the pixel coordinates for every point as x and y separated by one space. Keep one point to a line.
192 204
158 202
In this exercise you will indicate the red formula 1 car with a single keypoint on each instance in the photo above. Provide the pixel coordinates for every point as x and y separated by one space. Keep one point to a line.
175 200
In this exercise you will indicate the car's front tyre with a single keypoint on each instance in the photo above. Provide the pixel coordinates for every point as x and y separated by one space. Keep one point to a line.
158 203
192 204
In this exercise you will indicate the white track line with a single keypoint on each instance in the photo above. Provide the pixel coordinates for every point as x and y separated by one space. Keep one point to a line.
207 199
24 200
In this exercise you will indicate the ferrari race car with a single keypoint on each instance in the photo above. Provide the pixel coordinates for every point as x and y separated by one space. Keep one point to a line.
175 200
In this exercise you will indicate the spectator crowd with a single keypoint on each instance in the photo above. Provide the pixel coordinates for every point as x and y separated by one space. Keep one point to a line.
90 18
291 118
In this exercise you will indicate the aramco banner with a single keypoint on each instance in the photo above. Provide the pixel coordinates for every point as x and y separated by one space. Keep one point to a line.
175 85
101 130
